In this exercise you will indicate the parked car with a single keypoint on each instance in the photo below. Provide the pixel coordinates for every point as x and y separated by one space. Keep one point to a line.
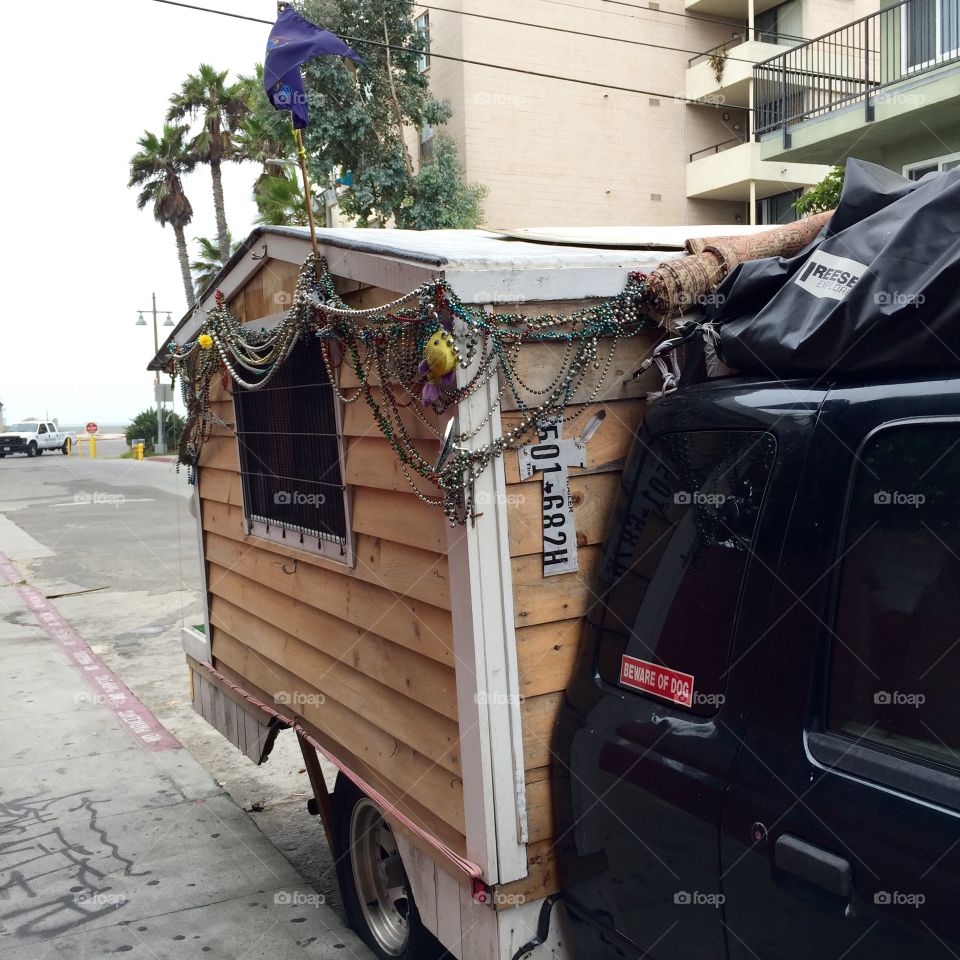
761 745
34 436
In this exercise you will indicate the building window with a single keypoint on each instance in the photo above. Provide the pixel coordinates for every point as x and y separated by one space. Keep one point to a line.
931 32
422 26
778 208
895 654
291 457
936 164
426 143
781 24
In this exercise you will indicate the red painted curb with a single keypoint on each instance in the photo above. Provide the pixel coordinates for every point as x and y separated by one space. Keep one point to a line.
112 692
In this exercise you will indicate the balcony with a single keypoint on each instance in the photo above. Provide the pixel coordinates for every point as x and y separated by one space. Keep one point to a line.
881 80
725 171
733 87
728 9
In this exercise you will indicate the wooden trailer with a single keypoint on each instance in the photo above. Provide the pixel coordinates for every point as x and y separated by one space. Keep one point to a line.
426 660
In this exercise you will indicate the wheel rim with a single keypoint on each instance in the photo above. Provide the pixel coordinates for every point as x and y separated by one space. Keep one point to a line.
379 877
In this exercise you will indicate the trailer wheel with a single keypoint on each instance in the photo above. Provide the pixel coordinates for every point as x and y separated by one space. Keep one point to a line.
373 883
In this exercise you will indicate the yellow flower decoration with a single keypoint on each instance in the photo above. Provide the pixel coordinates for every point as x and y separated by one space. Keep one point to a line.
205 341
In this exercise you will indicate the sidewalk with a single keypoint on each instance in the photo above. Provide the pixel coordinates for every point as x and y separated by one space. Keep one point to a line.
113 839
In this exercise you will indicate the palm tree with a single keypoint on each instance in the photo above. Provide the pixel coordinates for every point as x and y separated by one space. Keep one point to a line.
157 169
281 201
208 263
221 107
265 136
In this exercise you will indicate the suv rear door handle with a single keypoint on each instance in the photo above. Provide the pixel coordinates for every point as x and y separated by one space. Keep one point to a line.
813 864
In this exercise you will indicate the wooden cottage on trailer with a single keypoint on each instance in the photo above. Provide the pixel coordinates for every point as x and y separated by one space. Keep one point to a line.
425 659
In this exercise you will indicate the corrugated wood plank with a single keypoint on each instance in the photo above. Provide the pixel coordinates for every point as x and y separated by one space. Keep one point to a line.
220 453
593 496
371 462
254 307
416 725
546 655
538 719
537 365
418 626
415 676
236 306
540 821
408 571
359 421
220 485
427 782
609 446
399 516
277 282
542 879
540 599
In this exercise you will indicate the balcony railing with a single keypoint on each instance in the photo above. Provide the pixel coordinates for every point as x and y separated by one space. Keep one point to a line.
855 63
716 148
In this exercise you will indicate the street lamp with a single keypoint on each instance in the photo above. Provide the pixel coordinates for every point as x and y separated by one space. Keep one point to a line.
161 447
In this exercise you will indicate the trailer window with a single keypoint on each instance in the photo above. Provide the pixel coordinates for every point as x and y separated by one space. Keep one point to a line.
896 642
675 566
291 456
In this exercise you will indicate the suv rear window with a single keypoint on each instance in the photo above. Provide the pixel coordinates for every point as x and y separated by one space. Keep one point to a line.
674 566
896 641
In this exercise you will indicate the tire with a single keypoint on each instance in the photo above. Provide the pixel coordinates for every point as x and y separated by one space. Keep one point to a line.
373 884
32 448
65 449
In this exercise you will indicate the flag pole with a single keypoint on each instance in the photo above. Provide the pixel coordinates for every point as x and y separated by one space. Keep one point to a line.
307 199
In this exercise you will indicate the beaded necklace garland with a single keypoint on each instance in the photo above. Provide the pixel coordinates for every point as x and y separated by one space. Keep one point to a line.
386 344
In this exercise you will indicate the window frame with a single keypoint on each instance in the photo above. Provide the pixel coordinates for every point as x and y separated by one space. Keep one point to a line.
939 161
867 760
421 24
286 535
624 691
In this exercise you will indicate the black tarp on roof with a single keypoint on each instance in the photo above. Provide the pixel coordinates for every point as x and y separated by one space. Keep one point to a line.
877 290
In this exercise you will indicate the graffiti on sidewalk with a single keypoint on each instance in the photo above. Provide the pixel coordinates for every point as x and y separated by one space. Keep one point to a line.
56 876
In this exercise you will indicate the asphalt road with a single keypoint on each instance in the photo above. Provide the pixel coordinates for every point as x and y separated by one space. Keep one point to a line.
113 543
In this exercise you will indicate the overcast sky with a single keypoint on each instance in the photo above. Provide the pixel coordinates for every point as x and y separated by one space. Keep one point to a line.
80 259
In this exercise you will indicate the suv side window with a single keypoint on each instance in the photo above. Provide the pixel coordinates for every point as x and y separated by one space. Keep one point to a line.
42 428
673 575
895 654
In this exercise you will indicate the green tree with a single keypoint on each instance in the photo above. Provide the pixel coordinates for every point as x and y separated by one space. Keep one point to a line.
208 262
144 427
358 117
220 107
265 135
824 196
438 198
280 200
157 168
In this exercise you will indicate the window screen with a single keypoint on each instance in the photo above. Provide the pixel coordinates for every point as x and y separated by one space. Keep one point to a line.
676 564
896 639
290 452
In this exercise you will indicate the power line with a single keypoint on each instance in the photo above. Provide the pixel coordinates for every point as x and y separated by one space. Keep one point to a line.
575 33
468 62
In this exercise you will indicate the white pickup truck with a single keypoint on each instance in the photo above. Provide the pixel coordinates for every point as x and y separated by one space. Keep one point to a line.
33 437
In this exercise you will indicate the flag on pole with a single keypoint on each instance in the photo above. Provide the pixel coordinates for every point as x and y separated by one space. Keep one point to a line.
294 40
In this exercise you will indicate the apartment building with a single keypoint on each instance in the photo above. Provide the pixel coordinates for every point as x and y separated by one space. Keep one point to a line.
884 87
660 129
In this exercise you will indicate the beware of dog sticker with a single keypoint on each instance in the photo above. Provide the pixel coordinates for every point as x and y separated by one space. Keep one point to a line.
660 681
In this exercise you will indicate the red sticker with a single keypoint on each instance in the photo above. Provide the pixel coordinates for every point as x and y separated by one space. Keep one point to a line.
662 682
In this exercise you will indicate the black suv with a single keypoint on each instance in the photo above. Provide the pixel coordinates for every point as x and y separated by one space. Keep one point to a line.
759 756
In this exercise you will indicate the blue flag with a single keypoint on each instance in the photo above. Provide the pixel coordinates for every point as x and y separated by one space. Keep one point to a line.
294 40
